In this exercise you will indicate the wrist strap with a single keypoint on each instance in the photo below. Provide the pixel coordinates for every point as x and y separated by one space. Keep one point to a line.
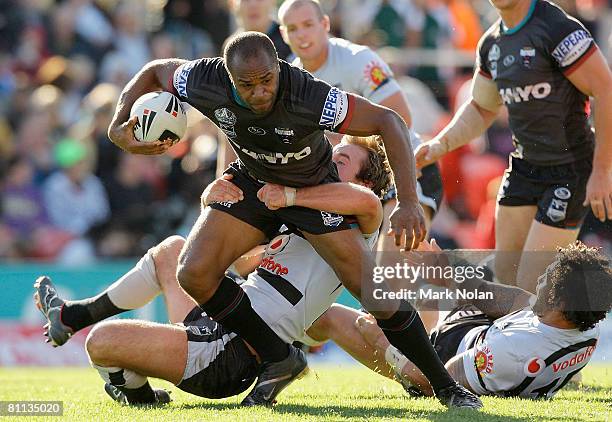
290 194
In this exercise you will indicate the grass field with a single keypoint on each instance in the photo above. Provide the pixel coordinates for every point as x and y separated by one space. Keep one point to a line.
328 393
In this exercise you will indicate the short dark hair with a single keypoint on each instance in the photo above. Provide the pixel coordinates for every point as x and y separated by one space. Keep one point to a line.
375 170
580 285
247 45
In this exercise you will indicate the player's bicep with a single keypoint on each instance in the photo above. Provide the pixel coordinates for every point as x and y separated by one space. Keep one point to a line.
592 77
485 93
364 118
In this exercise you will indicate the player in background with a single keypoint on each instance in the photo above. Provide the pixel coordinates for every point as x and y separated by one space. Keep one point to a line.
291 288
543 65
518 344
257 15
357 69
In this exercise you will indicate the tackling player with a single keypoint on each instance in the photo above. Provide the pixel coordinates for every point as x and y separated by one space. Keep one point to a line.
357 69
291 288
543 65
520 344
274 115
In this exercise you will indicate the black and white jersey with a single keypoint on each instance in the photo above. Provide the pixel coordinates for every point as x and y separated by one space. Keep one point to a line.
286 146
521 356
529 64
293 285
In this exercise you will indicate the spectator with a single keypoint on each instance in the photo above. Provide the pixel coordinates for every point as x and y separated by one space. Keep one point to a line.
75 199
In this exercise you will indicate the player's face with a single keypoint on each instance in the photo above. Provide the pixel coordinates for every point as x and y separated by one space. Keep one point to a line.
349 158
505 4
542 288
305 32
256 81
253 14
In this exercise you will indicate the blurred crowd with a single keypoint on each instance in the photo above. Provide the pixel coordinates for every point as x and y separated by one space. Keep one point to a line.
68 194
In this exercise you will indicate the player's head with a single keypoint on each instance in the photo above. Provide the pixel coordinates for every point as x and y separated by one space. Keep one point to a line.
507 4
305 28
363 160
253 15
578 284
252 62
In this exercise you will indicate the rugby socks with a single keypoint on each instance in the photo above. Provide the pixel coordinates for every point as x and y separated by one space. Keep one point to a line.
132 291
405 331
231 307
135 386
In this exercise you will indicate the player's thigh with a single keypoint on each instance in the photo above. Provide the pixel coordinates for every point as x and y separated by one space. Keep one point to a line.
216 240
151 349
511 229
539 251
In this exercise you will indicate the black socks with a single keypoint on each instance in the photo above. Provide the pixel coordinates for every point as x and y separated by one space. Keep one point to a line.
231 307
405 331
78 314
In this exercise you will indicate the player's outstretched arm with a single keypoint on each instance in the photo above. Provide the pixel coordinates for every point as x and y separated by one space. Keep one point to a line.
470 121
506 299
594 78
154 76
407 220
340 198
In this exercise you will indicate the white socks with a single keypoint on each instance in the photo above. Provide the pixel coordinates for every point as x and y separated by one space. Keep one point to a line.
136 288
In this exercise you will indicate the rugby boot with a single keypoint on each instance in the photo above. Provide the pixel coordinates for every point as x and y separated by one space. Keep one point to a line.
161 396
458 397
275 376
50 304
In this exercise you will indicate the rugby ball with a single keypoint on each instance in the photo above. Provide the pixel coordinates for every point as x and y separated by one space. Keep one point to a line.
160 116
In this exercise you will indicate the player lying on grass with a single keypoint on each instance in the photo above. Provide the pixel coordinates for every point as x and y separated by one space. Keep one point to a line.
291 288
518 344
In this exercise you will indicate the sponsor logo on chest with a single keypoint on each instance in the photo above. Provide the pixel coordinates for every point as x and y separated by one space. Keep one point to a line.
525 93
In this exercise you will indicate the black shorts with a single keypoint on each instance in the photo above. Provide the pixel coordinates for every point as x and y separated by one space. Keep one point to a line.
219 364
448 335
557 191
429 188
254 212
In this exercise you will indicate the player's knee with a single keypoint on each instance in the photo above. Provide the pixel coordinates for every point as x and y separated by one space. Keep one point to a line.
166 253
197 281
99 343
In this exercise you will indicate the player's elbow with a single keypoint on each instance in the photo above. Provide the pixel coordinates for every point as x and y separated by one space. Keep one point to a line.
369 204
390 119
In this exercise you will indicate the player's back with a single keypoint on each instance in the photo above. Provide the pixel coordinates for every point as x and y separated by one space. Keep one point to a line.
521 356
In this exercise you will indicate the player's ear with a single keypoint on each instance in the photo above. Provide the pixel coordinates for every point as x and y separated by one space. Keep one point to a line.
283 31
326 23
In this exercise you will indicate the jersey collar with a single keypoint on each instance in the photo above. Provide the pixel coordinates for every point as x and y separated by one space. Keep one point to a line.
237 98
510 31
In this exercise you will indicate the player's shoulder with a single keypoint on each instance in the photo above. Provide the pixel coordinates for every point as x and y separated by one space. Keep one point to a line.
489 36
349 50
551 14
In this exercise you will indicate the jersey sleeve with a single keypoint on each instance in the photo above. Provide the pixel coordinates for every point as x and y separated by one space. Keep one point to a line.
570 42
327 107
374 78
481 55
492 366
188 77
